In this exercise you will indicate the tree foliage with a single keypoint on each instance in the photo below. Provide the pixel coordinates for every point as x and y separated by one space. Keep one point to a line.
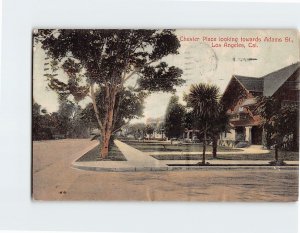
203 99
108 55
174 118
280 123
66 122
138 130
105 60
267 107
130 106
149 130
285 124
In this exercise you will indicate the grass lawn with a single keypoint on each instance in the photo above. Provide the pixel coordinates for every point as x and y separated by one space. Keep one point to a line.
93 155
287 156
162 146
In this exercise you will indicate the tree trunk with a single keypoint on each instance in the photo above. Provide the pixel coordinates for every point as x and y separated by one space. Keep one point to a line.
108 121
95 107
215 146
295 142
105 144
276 153
204 148
268 140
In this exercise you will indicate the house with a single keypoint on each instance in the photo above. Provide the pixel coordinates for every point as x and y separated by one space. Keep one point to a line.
190 135
239 98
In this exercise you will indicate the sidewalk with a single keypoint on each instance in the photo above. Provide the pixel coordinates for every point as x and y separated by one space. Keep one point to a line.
228 162
136 157
142 161
248 150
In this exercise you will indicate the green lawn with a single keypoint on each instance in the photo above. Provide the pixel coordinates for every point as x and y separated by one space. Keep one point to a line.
163 146
93 155
287 156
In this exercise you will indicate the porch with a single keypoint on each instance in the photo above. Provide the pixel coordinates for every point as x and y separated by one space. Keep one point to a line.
250 134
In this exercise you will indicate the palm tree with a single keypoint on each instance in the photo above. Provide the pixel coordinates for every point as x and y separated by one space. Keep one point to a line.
203 99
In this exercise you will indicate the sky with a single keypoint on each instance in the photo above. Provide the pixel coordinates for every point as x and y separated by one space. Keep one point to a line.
201 60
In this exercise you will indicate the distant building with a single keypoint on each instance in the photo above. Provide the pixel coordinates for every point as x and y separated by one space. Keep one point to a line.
239 99
190 135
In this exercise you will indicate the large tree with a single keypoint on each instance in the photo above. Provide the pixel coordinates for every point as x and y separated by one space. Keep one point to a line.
267 107
130 106
44 125
280 123
39 132
150 130
105 60
285 128
286 123
203 99
174 118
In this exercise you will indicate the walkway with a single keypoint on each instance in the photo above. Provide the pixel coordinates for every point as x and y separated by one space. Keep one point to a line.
136 157
247 150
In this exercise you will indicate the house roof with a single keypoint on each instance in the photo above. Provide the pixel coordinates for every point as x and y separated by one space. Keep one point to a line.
269 83
251 83
274 80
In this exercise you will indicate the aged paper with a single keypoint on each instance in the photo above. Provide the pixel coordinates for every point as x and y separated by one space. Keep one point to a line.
152 115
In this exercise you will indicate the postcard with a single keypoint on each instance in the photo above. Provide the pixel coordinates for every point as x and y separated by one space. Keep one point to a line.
165 115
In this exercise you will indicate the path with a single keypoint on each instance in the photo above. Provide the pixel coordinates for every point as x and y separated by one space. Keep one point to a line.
247 150
136 157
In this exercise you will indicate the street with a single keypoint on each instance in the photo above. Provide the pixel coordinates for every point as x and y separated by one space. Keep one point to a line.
55 179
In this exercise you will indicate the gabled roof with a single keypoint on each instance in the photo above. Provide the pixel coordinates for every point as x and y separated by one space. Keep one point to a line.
269 83
274 80
250 83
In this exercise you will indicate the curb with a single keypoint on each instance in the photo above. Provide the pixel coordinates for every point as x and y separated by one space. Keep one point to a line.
181 168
